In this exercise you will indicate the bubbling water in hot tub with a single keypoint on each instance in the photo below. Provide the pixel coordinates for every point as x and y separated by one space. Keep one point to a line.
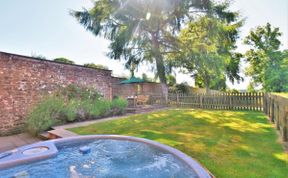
105 158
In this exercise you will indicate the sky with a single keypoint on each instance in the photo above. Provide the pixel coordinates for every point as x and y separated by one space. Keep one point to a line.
34 27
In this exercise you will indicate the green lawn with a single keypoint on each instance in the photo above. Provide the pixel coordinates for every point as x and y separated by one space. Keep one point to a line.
229 143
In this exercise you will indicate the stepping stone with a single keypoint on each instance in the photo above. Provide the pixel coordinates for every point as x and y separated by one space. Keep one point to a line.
44 135
131 110
60 133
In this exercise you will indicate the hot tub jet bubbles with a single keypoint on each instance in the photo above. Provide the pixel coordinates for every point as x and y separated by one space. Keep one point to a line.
23 174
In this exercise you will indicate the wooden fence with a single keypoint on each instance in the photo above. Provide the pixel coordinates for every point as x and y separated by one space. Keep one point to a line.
276 108
227 101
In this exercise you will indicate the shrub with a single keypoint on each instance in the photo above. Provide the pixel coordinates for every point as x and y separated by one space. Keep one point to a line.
119 105
64 60
97 108
45 114
96 66
71 110
85 110
104 107
70 104
180 88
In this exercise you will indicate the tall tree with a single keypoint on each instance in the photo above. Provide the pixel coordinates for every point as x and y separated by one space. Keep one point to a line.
207 48
268 66
141 30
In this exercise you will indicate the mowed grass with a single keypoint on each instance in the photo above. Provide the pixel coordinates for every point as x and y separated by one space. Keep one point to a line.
229 143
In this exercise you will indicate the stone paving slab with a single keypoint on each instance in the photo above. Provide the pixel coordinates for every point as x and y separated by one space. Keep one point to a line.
14 141
61 133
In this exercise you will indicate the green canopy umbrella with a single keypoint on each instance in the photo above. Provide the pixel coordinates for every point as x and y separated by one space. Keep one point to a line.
132 80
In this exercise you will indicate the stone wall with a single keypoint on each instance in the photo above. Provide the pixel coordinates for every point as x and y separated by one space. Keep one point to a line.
24 79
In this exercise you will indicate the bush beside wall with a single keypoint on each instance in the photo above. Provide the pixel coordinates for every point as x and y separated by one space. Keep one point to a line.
71 104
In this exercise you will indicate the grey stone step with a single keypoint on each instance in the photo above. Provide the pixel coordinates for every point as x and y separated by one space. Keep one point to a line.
44 136
60 133
131 110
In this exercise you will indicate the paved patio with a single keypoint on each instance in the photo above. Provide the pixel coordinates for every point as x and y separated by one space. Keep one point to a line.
14 141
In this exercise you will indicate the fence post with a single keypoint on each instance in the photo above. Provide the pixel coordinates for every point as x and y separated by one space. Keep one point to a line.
276 115
272 111
230 100
285 125
269 106
264 104
177 99
201 102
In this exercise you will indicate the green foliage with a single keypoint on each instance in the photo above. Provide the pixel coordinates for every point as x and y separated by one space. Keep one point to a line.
146 78
71 110
89 109
118 105
216 83
98 108
140 31
38 56
71 104
219 83
180 88
251 87
264 38
276 77
64 60
268 65
96 66
104 107
232 91
232 67
171 80
45 114
206 49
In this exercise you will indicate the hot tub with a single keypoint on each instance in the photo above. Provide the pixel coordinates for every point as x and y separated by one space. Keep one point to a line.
108 156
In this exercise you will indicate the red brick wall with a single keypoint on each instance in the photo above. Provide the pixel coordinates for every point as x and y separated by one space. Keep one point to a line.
152 88
24 79
126 90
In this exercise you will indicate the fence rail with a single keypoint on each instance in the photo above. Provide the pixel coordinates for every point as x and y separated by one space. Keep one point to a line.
233 101
276 108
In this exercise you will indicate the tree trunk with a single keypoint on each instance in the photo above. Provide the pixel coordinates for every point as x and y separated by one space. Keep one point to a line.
160 67
207 82
207 89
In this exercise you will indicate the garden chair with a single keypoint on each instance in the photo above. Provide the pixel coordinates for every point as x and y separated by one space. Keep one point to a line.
142 99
